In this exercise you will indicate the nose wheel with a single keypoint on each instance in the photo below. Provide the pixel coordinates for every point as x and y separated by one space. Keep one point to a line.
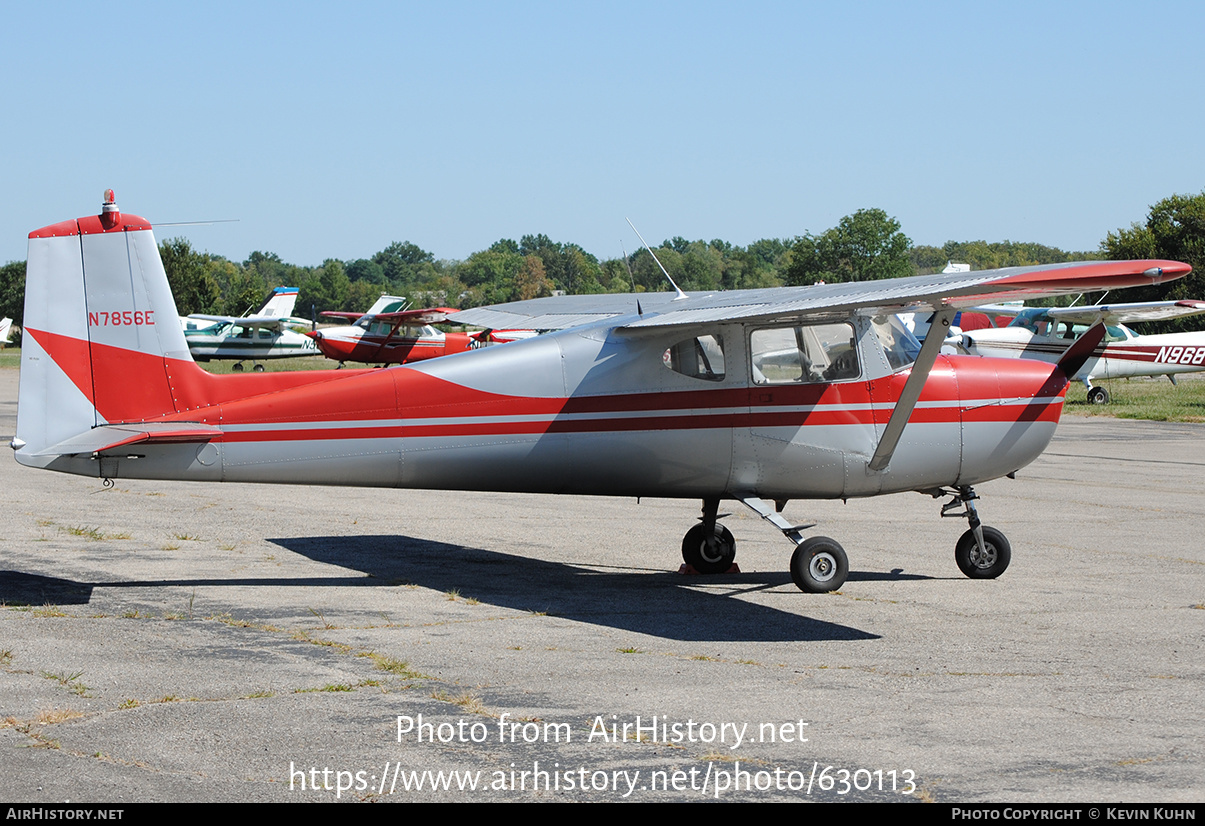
987 562
982 552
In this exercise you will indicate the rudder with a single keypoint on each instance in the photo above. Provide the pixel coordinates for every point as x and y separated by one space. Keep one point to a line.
102 338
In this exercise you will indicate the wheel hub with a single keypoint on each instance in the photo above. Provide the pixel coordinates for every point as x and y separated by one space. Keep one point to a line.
711 551
822 567
985 559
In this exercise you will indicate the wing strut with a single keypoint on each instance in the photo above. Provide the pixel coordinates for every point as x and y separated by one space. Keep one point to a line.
912 388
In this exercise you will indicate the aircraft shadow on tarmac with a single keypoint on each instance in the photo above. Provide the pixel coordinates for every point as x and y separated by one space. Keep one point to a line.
661 604
17 588
646 602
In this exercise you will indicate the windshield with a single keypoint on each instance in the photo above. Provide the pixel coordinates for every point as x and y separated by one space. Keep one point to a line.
899 345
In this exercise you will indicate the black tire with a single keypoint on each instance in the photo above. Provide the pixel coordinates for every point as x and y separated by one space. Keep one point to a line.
237 367
970 561
1098 395
714 557
259 368
819 565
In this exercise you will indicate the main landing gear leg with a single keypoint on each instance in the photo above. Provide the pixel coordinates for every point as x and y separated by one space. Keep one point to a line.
819 564
981 552
709 547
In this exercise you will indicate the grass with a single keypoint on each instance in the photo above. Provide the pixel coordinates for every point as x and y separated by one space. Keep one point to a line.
1154 399
69 681
222 368
86 531
397 667
468 702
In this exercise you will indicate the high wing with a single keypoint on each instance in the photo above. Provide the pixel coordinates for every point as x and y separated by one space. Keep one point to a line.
270 322
917 293
1127 313
433 315
384 304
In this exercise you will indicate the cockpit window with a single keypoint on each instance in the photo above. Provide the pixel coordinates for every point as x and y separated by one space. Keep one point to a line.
899 345
700 358
815 353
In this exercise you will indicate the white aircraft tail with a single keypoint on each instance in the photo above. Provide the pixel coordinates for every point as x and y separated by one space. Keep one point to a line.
102 341
279 304
388 304
6 330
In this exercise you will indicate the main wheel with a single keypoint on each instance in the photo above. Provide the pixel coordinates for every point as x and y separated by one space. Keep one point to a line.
259 368
709 554
978 565
237 367
1098 395
819 565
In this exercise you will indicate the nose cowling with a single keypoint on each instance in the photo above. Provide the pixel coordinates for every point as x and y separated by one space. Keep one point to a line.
1010 408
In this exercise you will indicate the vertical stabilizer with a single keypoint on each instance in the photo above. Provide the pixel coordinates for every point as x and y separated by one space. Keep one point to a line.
279 304
101 332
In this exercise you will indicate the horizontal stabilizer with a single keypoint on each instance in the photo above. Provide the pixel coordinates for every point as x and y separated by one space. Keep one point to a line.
113 436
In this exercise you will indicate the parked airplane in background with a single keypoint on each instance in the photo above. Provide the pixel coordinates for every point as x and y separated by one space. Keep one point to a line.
266 334
279 305
389 333
652 394
6 331
1045 333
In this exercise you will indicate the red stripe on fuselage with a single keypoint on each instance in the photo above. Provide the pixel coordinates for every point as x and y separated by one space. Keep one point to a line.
141 387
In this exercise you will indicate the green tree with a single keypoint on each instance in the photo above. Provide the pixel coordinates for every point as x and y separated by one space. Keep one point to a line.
190 277
865 246
531 280
12 292
1174 230
401 262
366 270
326 288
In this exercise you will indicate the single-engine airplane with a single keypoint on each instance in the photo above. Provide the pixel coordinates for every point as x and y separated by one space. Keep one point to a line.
633 395
1045 333
265 334
390 333
279 305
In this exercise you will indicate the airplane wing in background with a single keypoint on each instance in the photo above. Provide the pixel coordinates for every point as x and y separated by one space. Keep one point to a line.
1127 313
271 322
432 315
917 293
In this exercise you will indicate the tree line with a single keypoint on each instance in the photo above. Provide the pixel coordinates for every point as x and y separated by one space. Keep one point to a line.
867 245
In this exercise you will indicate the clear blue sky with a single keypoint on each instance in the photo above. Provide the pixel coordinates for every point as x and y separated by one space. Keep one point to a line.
333 129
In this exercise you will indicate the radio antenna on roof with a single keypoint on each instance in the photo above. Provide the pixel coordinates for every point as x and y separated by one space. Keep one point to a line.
677 289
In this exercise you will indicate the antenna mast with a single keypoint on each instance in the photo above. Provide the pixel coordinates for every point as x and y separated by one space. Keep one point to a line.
680 295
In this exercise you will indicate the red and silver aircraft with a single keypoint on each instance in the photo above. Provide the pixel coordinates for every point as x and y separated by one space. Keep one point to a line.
757 396
1045 333
389 333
